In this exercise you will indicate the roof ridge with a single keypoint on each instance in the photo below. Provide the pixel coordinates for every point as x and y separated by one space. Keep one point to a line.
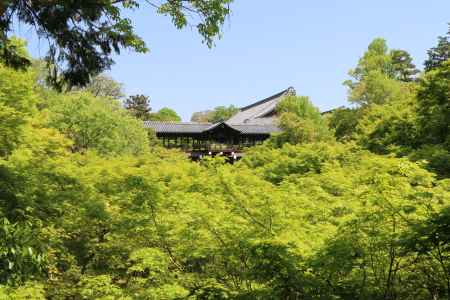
178 123
247 124
221 123
288 90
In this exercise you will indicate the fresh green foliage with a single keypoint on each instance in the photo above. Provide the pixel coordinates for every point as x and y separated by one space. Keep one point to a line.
379 75
20 254
201 116
300 121
376 58
27 291
12 51
17 103
218 114
95 123
398 115
343 122
104 86
300 106
434 105
89 209
83 35
139 107
390 127
223 113
433 115
164 114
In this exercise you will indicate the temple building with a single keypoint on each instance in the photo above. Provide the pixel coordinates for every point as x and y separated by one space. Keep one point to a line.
252 125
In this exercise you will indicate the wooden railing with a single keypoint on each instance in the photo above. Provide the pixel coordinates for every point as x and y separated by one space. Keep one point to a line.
212 146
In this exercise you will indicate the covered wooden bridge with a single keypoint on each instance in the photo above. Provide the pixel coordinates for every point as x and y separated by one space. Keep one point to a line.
250 126
200 139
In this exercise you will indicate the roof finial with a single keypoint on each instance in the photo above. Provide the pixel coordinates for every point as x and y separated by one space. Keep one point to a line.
291 91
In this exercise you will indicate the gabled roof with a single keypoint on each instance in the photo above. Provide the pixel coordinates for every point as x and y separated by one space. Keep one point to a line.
256 129
256 113
222 125
256 118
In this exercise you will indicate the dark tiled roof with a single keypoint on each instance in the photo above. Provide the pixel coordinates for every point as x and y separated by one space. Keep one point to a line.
191 127
255 118
277 95
257 112
256 129
177 127
332 110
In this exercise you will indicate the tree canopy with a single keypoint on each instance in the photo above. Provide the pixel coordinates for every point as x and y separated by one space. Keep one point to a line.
164 114
83 35
96 123
379 74
138 106
301 122
91 208
440 53
398 116
104 85
218 114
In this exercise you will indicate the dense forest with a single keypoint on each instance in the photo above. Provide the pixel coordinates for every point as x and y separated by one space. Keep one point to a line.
351 204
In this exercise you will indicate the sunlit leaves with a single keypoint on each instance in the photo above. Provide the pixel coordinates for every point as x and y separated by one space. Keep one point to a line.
97 124
301 122
90 211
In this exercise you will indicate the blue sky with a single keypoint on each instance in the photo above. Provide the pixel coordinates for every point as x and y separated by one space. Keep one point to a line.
268 46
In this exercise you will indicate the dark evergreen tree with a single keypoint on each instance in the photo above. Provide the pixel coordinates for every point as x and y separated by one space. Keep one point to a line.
439 54
138 106
402 65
